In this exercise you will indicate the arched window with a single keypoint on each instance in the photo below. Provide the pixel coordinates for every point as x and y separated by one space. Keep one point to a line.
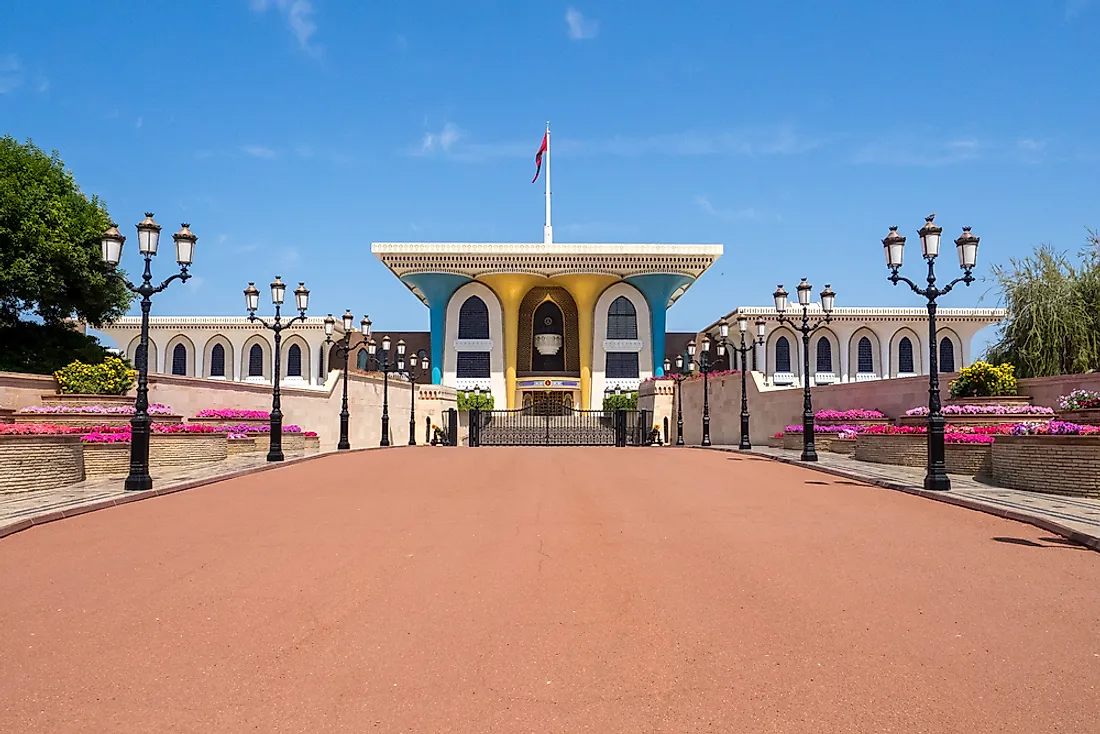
622 319
905 355
361 360
217 361
824 355
294 361
472 366
782 355
256 361
947 355
473 319
179 360
865 356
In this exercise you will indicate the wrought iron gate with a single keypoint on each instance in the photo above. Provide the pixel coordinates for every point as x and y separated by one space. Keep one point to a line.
529 427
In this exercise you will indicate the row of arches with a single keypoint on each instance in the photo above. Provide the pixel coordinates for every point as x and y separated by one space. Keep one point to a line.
218 359
864 356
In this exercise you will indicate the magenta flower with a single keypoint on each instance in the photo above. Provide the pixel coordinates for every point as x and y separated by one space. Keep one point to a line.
233 413
848 415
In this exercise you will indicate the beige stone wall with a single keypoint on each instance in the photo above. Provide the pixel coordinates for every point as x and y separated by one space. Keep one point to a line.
313 444
87 419
1066 465
292 443
244 446
659 398
822 441
30 463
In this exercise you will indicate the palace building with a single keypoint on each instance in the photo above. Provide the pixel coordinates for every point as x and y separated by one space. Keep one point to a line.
546 321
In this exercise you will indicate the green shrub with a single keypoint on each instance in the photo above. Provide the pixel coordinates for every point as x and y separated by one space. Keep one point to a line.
625 401
983 380
469 401
113 376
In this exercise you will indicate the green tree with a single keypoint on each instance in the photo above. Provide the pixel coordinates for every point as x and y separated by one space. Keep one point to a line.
1053 304
50 261
50 266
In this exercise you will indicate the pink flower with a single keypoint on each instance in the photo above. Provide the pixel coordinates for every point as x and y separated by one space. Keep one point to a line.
233 413
839 416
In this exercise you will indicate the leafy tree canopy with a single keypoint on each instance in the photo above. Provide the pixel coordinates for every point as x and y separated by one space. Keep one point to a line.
1053 321
50 261
42 349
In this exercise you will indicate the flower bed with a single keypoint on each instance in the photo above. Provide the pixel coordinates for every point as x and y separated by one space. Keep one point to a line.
855 416
776 440
293 443
1080 406
845 443
1063 464
92 415
108 455
975 414
990 400
30 462
312 442
232 417
964 453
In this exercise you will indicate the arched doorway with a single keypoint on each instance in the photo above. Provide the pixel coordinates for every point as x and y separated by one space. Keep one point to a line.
548 329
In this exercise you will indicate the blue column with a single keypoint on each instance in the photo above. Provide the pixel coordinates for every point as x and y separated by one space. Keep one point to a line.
437 288
658 289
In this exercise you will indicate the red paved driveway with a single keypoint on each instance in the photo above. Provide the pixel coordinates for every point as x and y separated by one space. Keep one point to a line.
546 590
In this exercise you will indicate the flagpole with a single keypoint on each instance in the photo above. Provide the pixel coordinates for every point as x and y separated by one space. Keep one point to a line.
548 230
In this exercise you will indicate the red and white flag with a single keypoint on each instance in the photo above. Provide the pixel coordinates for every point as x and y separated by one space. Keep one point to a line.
538 157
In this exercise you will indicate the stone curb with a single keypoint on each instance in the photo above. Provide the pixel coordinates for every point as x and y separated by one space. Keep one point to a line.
1091 542
54 515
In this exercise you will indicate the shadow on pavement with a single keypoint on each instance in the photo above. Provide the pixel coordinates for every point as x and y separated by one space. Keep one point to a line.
1049 543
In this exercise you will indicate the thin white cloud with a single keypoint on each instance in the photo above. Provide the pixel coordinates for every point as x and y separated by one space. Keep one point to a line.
908 152
441 141
453 143
139 123
11 73
708 207
258 151
298 15
580 28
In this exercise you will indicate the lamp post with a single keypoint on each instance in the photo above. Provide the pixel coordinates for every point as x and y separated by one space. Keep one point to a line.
385 366
743 352
252 302
418 367
809 452
343 348
679 376
936 478
706 366
141 424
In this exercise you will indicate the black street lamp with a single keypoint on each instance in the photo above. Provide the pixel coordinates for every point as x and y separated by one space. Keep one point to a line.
679 376
809 452
418 367
252 302
936 478
743 351
343 348
141 425
385 366
706 366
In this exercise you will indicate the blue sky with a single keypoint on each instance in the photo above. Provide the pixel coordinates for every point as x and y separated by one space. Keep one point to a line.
292 133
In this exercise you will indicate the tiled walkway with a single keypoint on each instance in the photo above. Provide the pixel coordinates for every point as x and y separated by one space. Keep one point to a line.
1075 518
21 510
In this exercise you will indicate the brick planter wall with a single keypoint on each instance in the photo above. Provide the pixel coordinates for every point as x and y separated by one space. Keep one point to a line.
1089 416
912 450
822 441
1066 465
859 422
107 459
292 442
74 400
87 419
842 447
237 446
6 414
312 444
29 463
775 443
165 450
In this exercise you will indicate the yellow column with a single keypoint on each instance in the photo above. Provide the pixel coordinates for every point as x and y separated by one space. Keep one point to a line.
586 290
510 289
